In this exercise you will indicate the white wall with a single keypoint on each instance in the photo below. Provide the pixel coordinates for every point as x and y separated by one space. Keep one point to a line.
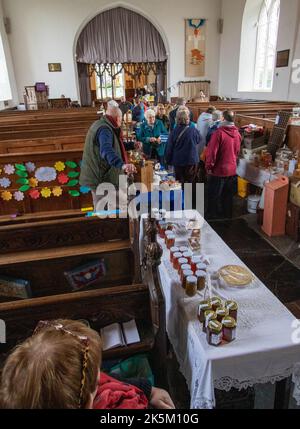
9 62
44 31
288 38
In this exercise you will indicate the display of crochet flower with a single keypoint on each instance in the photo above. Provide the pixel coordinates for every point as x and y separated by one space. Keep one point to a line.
62 178
84 189
34 194
6 196
46 192
59 166
33 182
9 169
19 196
45 174
30 167
5 182
57 191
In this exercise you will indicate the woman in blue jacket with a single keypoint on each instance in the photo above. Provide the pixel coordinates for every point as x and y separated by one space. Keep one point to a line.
150 134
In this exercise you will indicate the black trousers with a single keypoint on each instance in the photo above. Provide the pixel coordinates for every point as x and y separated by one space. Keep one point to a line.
219 197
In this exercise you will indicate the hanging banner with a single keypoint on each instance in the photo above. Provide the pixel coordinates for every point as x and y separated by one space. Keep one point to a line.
195 47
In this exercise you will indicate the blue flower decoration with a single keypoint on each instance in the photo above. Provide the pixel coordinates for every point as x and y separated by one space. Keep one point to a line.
84 189
30 167
5 182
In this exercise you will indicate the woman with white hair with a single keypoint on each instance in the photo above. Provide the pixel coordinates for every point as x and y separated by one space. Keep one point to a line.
150 134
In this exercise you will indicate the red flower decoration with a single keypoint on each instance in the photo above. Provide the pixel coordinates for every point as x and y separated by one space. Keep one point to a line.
62 178
34 194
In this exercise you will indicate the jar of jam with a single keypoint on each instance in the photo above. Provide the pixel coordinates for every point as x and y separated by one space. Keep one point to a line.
194 261
208 316
188 255
185 275
172 251
167 233
214 333
185 267
183 249
162 228
201 279
191 286
229 329
233 309
201 267
170 240
215 303
221 313
203 307
176 258
181 261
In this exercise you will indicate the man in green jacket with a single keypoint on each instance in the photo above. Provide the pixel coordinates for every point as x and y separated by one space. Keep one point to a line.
104 156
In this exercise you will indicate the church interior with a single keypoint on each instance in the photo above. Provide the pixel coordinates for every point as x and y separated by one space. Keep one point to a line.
150 204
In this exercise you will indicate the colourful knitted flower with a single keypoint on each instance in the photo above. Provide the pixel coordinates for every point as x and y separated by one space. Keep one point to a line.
6 196
9 169
33 182
45 174
5 182
59 166
19 196
57 191
30 167
62 178
46 192
34 194
85 189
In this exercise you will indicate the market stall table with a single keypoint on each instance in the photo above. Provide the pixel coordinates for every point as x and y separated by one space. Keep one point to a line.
254 175
264 350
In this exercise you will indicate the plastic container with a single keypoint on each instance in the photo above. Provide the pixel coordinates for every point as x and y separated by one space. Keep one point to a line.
242 187
253 201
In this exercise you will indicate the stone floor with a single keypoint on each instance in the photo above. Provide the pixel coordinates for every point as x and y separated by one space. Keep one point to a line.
277 263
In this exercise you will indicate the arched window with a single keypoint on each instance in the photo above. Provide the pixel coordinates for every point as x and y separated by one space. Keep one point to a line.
267 31
5 90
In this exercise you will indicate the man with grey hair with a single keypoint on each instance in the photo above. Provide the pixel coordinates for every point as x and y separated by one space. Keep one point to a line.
104 156
111 104
217 118
180 102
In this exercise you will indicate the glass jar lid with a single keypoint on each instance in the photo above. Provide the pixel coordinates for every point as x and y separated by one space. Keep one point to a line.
229 322
215 327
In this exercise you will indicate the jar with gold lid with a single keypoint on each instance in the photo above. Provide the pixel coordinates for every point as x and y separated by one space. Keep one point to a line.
208 316
185 275
176 258
216 302
221 313
201 279
172 251
184 267
232 308
229 329
214 333
202 308
191 286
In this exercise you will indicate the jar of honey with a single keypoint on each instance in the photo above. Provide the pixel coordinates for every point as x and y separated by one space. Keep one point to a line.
229 329
188 255
167 233
176 258
201 267
181 261
185 275
221 313
191 286
172 251
194 261
215 303
208 316
232 308
170 240
184 267
203 307
201 279
214 333
162 225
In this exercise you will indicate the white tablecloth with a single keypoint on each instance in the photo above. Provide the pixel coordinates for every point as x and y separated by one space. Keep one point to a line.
256 176
263 351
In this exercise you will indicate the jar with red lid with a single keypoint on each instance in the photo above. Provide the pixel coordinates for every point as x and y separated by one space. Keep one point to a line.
216 302
202 308
176 258
232 308
172 251
185 275
221 313
170 240
229 329
181 261
201 279
191 286
188 255
214 333
184 267
194 261
208 316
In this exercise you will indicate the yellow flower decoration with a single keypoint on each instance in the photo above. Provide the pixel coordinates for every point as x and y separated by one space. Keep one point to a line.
33 182
6 196
59 166
57 191
46 192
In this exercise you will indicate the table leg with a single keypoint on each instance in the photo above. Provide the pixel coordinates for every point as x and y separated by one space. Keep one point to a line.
282 394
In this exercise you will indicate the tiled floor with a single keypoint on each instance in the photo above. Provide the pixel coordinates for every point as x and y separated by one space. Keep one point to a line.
277 263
